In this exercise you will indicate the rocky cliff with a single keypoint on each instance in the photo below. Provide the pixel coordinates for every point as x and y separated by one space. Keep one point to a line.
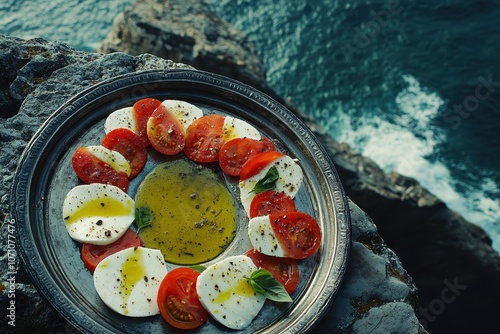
456 270
187 32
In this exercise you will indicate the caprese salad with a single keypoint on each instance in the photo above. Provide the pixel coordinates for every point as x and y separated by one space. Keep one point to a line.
134 280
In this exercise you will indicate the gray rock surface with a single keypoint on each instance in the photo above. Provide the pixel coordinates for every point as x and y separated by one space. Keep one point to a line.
377 294
377 291
435 244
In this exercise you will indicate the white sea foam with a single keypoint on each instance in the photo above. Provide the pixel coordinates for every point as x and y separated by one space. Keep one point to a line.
405 144
420 105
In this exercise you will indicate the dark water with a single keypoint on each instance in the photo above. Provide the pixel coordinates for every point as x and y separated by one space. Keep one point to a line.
81 23
415 85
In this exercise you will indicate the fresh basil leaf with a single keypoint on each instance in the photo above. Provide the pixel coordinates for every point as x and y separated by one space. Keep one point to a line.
257 288
263 282
143 217
198 268
268 182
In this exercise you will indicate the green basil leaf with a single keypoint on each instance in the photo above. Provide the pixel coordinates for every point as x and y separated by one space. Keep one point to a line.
143 217
198 268
263 282
257 288
268 182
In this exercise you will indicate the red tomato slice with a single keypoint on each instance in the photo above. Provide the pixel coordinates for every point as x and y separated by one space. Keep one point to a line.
284 270
257 163
236 152
93 254
271 202
204 138
178 300
91 169
128 144
298 233
142 110
268 144
165 132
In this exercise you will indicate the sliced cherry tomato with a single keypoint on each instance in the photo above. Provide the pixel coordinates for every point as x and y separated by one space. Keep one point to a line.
257 163
165 132
271 202
268 144
93 254
130 145
142 110
204 138
91 169
178 300
284 270
298 233
236 152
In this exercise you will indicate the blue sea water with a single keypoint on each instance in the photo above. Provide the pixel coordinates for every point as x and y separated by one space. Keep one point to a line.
414 85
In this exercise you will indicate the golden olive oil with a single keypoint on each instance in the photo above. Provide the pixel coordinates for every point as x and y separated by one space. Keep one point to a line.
132 272
100 207
194 214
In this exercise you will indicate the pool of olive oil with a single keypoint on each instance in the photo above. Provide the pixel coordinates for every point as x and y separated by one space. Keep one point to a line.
194 213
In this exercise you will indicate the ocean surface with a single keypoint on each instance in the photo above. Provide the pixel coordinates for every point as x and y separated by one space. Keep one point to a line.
414 85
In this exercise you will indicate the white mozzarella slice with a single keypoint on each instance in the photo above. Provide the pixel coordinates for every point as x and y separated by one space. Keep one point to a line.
289 181
128 281
263 238
121 118
185 112
97 213
226 294
237 128
112 158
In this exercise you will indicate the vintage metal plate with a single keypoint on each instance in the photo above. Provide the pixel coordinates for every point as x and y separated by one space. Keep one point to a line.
45 176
